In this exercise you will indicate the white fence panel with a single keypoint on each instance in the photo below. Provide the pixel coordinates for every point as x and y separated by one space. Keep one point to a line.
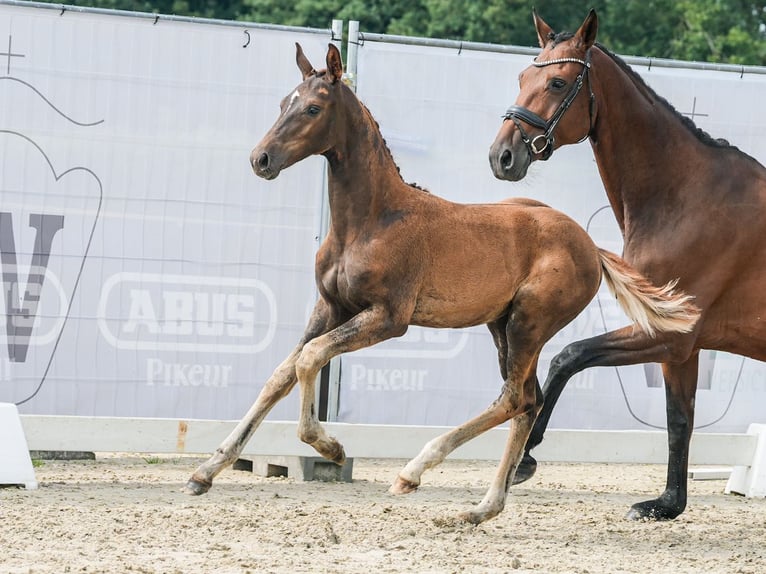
146 270
439 108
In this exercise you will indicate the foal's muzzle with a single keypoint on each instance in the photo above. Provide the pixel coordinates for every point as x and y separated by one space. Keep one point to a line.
263 164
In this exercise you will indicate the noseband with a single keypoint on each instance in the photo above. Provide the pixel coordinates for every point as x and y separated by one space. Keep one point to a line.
542 144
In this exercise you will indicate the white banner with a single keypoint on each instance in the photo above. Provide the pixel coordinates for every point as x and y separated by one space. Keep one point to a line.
146 270
440 110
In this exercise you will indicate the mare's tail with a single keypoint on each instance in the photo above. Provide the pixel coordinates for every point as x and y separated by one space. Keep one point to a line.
652 308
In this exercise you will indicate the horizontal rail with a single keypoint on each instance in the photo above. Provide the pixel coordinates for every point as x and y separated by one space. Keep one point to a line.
117 434
460 46
157 17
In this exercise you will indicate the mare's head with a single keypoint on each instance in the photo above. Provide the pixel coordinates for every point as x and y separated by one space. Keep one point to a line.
555 102
306 124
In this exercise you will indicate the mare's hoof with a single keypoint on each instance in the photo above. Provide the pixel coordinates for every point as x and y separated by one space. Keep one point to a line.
402 486
652 510
195 487
526 470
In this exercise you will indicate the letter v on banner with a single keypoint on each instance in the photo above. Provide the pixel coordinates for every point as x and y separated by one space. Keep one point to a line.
21 310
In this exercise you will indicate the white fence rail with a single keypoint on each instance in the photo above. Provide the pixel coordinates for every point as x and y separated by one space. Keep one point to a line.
745 452
113 434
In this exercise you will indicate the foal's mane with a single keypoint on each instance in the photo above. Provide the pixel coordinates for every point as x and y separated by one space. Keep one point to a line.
374 122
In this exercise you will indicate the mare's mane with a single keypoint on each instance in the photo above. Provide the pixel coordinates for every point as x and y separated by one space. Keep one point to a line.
687 122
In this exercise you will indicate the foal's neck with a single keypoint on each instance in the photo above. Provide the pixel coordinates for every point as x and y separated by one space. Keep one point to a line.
363 177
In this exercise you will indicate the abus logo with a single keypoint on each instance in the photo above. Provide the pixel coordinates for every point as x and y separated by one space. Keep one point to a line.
153 312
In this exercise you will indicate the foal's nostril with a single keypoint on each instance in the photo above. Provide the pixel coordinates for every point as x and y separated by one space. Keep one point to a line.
263 160
506 160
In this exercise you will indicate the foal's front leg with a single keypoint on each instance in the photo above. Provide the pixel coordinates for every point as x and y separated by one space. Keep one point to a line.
276 388
370 326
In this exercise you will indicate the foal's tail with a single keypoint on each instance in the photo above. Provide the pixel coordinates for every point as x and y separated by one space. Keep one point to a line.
650 307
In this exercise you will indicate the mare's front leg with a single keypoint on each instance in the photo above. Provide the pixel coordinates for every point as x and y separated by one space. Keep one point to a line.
626 346
680 388
370 326
276 388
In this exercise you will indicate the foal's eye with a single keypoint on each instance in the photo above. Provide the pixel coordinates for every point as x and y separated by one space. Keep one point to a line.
558 84
313 110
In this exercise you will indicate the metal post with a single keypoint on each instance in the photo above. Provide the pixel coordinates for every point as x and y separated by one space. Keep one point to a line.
328 387
353 50
337 33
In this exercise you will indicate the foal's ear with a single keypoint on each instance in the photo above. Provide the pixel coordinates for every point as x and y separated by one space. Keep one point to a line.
303 62
588 30
334 64
544 32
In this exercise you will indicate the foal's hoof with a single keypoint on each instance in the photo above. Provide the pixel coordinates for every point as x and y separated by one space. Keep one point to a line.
526 470
339 456
195 487
402 486
652 510
477 516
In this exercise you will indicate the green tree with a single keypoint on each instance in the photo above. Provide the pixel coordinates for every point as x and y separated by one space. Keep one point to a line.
721 31
708 30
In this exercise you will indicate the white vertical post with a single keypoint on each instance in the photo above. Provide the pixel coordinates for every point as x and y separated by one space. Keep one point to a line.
337 33
751 480
333 368
352 51
15 464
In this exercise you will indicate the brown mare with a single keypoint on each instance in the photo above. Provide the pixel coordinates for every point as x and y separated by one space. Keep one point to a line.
396 256
688 206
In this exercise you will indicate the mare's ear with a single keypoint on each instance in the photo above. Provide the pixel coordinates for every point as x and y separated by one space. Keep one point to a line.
588 30
334 64
544 32
303 63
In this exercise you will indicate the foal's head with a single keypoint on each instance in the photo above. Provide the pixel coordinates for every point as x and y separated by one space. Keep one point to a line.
553 107
307 122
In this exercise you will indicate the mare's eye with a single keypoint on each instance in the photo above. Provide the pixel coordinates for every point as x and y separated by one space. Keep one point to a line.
558 84
313 110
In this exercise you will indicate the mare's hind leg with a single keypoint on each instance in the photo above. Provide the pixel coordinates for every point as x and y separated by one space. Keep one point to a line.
277 387
680 387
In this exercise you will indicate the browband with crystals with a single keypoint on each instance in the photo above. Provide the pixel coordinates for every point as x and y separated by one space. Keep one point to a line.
560 61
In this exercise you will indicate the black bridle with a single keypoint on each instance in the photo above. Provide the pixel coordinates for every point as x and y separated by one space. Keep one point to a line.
518 114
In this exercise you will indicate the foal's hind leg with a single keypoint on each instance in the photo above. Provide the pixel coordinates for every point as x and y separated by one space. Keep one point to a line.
436 450
520 401
494 500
